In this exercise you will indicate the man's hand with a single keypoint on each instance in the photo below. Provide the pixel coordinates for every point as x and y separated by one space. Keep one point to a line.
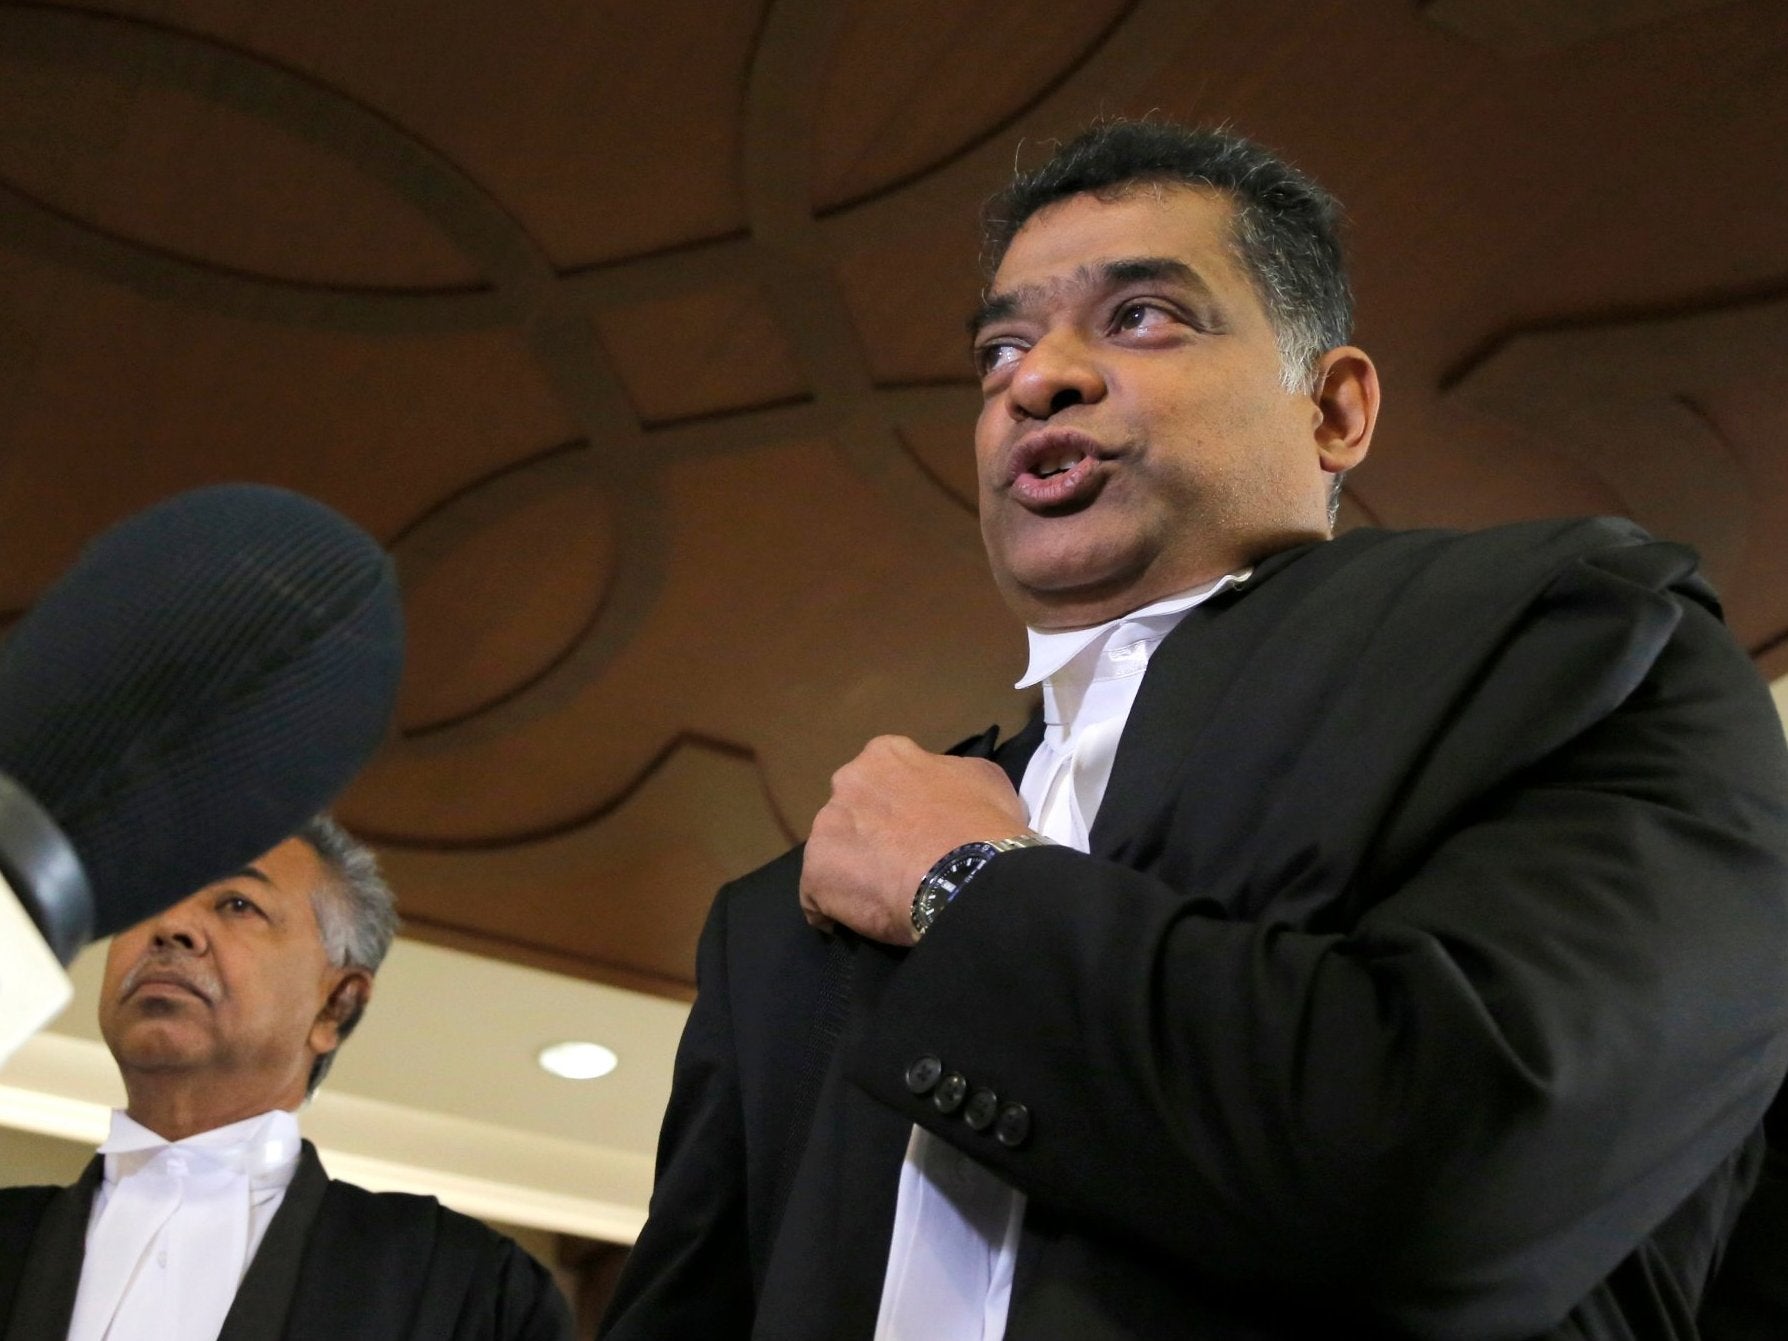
896 809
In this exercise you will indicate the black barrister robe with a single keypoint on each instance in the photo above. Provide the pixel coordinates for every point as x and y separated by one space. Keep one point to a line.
1428 976
338 1263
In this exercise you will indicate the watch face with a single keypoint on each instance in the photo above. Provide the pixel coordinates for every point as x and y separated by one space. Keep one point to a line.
945 881
956 874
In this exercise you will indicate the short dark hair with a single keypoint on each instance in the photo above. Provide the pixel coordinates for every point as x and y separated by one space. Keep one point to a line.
1287 228
356 914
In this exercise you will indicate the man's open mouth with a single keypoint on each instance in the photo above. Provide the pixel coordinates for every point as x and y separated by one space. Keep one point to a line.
1056 470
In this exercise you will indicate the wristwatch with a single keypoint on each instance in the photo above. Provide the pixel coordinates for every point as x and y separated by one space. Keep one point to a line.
955 869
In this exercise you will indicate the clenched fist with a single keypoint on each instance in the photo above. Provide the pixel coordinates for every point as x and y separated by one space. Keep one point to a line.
895 809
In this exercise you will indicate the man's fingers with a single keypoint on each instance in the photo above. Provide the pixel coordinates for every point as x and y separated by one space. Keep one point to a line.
810 910
893 811
809 907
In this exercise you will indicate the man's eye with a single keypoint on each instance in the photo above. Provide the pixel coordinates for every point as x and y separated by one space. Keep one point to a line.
235 903
995 355
1138 316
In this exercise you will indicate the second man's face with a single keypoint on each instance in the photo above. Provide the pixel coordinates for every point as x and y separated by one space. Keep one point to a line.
1136 437
228 986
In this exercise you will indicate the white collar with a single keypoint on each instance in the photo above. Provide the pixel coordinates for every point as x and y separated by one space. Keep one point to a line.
254 1146
1052 649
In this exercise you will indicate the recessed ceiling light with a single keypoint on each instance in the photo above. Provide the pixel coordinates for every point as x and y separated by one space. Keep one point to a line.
577 1061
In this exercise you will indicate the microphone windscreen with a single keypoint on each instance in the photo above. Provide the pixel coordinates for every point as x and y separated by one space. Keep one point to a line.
210 673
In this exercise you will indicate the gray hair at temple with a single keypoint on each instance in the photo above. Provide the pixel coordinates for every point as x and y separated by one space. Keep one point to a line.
357 915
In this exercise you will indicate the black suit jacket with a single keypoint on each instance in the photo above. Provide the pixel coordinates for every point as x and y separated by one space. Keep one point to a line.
1428 977
337 1263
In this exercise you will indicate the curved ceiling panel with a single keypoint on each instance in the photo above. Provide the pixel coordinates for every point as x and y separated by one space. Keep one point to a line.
909 86
1621 397
1751 417
639 874
911 297
115 125
499 586
689 354
1528 27
109 400
945 448
607 129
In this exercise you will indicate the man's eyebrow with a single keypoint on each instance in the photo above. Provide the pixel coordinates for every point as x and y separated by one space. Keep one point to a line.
994 307
1107 275
1140 269
251 873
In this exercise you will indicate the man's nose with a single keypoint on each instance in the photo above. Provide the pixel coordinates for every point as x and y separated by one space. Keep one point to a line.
179 928
1055 373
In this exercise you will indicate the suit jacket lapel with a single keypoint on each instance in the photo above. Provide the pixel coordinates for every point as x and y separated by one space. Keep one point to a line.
1011 755
265 1295
52 1272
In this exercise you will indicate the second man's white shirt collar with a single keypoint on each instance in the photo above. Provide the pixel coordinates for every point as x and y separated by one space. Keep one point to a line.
256 1146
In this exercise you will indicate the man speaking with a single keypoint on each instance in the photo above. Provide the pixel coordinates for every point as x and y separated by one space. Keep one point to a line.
1379 936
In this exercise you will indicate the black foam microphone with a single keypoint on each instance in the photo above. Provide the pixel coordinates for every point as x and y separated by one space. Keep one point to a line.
211 673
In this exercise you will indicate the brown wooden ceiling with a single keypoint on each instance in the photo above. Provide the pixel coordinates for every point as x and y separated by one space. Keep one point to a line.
636 330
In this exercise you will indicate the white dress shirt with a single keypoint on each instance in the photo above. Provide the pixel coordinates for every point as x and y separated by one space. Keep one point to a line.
175 1225
956 1225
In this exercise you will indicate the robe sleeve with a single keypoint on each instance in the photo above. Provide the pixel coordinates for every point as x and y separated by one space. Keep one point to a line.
523 1303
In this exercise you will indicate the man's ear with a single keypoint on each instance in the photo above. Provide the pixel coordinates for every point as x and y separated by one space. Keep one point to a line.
1347 407
341 1009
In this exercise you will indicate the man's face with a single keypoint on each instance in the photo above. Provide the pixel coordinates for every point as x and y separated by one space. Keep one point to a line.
230 988
1136 437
